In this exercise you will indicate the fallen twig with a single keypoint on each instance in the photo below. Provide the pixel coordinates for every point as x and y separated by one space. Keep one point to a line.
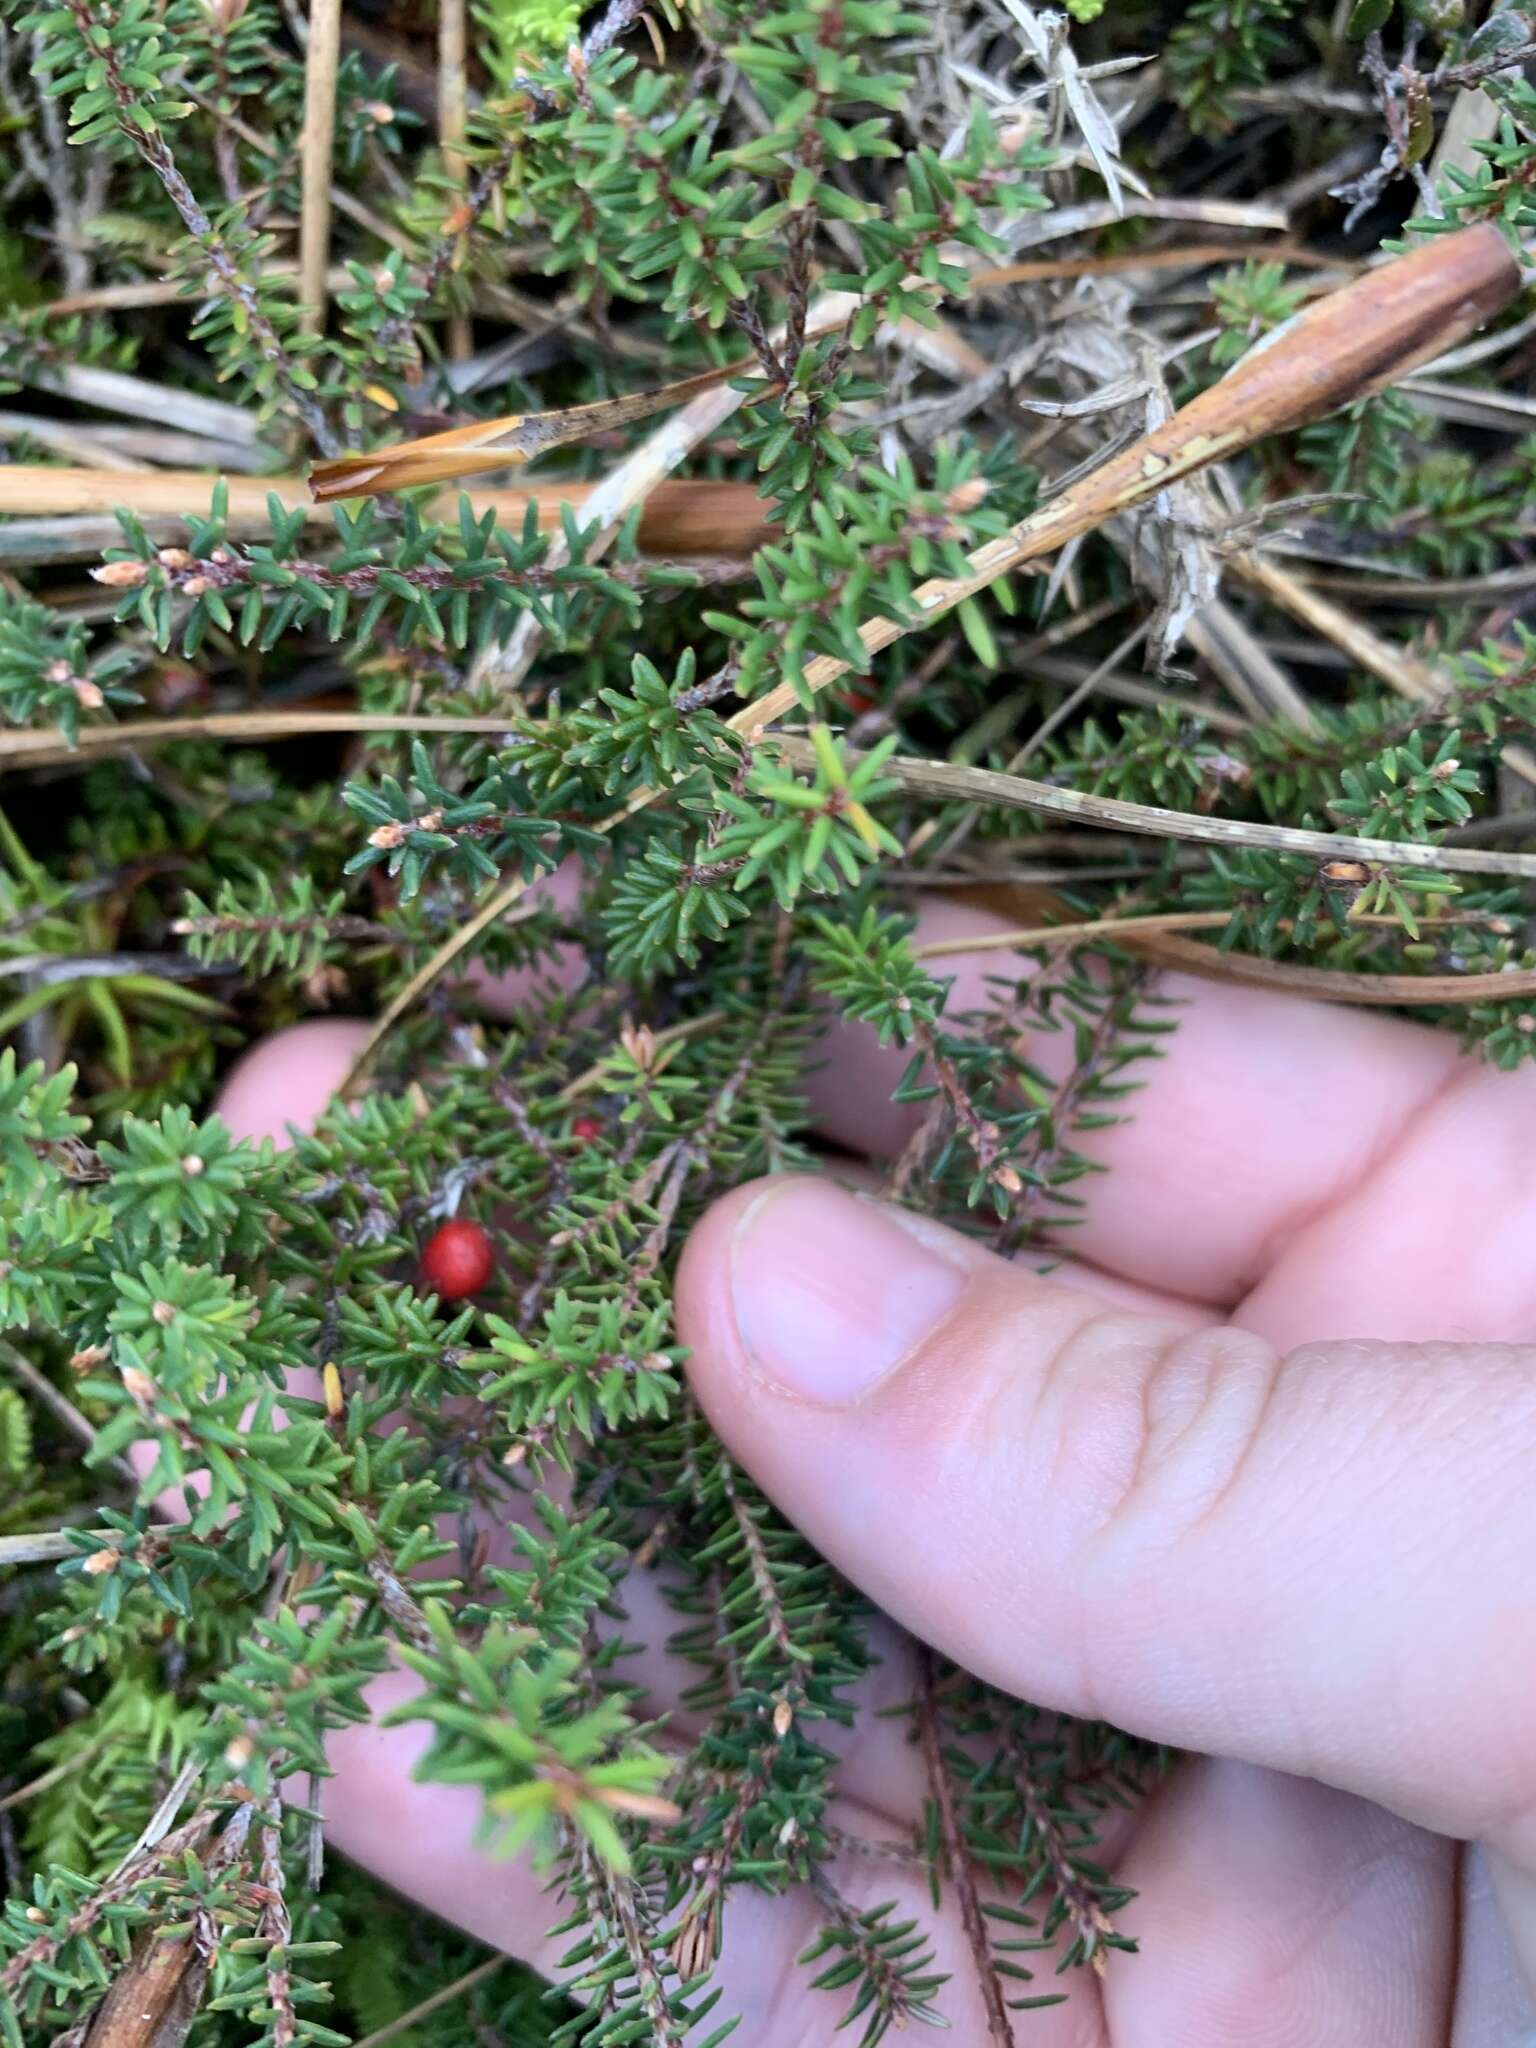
56 1776
452 125
505 442
1347 346
1026 938
1188 256
1156 935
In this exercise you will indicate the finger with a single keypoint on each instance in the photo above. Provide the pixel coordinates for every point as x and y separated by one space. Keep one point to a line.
560 969
287 1081
1495 1997
1514 1885
1260 1112
1435 1241
1319 1563
1272 1912
866 1179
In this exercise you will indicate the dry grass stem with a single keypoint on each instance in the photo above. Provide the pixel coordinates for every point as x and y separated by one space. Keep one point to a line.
452 124
1336 984
948 780
680 516
316 146
46 746
449 1995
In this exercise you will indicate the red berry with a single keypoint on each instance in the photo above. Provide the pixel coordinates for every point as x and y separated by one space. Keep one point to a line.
586 1128
457 1260
858 702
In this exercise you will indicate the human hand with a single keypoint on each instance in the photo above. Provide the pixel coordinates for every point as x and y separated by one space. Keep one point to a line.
1094 1491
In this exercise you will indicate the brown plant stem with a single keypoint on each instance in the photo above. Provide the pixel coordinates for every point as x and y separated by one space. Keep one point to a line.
1337 984
452 124
1030 937
959 1867
49 1546
1086 1917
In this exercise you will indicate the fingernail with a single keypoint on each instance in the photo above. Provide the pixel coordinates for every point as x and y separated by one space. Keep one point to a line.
831 1293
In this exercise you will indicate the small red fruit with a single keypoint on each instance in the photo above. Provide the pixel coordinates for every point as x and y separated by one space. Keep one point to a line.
457 1260
586 1128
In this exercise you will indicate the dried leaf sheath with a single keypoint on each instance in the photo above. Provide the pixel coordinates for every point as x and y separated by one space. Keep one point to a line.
1348 346
514 437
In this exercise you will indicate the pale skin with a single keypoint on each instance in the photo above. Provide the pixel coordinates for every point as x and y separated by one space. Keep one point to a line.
1252 1476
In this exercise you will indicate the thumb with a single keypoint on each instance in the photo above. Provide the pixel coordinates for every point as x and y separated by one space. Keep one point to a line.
1321 1562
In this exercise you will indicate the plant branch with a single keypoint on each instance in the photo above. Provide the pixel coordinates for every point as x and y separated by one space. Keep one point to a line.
956 1857
49 1546
153 148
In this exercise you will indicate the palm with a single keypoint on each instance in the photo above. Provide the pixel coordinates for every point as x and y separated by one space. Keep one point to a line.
1260 1179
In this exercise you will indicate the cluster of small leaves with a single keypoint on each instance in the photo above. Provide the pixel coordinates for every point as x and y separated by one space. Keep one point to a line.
119 69
887 1962
83 56
1161 756
641 202
508 1715
520 33
184 1362
15 1435
868 971
870 541
473 832
1221 46
636 192
654 733
1499 188
817 835
48 673
1251 302
1370 768
1030 1809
